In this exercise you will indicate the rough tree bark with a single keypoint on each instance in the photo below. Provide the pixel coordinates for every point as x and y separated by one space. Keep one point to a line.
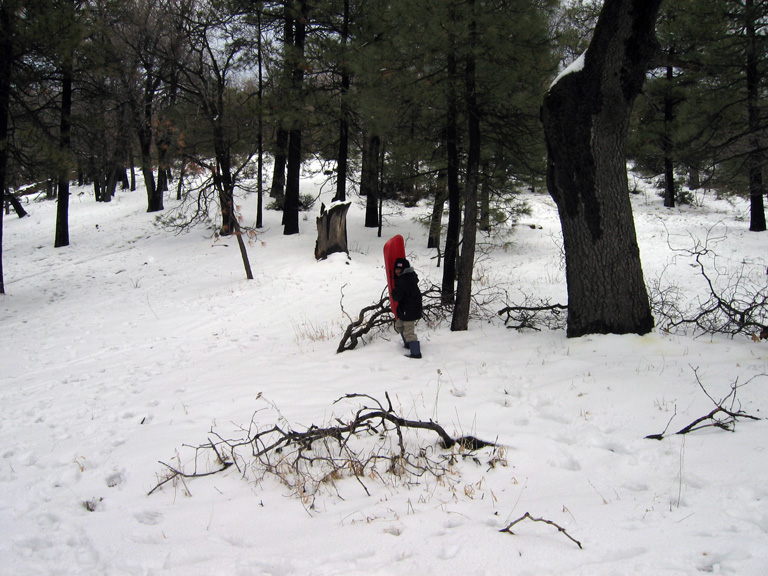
341 170
756 155
144 133
61 238
586 116
369 179
293 176
7 53
453 230
461 309
332 231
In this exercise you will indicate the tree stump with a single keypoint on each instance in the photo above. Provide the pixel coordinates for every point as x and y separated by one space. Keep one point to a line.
11 200
332 230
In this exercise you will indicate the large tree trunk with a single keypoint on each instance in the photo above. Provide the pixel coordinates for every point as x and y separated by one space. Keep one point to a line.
755 159
154 197
448 292
7 16
341 168
460 319
436 220
13 201
667 144
260 138
62 202
224 176
277 191
586 118
369 179
292 185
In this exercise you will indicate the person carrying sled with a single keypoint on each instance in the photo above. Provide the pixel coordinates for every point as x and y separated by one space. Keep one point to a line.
408 297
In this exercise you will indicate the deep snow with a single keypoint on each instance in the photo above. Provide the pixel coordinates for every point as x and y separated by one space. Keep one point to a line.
132 344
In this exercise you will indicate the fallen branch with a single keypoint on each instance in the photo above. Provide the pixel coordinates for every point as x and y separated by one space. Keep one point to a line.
714 418
306 460
379 315
527 516
734 302
174 473
373 316
529 317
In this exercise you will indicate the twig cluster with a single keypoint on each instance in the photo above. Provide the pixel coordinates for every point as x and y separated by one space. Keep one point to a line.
726 413
733 302
371 445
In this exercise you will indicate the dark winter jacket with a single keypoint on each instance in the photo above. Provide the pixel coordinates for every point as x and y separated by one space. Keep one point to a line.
407 295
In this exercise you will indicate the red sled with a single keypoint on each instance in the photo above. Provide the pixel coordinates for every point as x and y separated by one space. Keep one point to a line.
393 249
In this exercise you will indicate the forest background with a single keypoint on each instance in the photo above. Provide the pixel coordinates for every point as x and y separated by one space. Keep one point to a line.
399 101
234 113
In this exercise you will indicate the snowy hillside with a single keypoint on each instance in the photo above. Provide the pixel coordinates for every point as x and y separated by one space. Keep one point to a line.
132 346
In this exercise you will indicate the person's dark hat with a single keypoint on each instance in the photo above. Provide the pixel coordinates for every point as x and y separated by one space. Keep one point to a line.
402 264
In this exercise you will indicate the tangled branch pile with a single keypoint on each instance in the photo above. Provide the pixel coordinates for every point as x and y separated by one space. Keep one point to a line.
733 302
374 444
379 315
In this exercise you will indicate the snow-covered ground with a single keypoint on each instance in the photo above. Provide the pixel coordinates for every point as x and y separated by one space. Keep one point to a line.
132 346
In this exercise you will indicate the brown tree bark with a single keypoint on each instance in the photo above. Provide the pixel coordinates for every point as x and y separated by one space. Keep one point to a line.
453 230
586 117
756 157
65 134
461 309
7 54
369 179
332 231
293 176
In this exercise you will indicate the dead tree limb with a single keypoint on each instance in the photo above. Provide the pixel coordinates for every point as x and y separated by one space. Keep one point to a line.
371 317
530 317
379 315
11 199
527 516
721 416
306 460
174 473
733 302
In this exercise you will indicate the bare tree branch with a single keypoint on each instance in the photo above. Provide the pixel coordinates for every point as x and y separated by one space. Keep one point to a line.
721 416
527 516
319 455
734 303
379 315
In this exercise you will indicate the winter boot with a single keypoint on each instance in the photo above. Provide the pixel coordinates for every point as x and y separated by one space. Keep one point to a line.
405 342
415 347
